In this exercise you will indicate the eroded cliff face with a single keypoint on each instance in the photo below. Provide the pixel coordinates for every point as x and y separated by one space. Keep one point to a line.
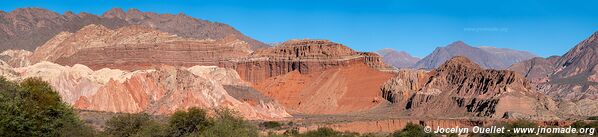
303 56
155 91
461 88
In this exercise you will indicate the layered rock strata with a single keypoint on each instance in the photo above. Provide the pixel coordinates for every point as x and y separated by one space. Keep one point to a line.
135 47
302 56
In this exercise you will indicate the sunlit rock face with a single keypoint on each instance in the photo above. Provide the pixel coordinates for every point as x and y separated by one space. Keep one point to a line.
156 91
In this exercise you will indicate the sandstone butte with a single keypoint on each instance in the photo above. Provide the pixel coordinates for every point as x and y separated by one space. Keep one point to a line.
460 88
301 56
155 91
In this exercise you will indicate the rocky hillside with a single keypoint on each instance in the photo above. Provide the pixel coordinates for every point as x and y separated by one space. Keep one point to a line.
29 28
135 47
397 59
461 88
486 57
572 76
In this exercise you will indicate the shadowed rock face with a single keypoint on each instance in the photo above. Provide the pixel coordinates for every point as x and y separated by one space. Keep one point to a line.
397 59
29 28
486 57
461 88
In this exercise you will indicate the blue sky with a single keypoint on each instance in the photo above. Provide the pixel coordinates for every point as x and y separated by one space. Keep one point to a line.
543 27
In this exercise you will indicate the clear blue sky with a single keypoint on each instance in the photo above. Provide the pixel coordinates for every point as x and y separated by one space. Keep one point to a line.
543 27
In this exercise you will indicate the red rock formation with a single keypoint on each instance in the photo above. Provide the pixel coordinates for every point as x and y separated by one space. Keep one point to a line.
336 90
303 56
461 88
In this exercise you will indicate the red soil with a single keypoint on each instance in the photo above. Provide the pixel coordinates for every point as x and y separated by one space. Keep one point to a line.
332 91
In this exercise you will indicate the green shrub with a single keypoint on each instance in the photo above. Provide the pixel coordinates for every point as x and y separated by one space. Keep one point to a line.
33 108
593 118
130 125
327 132
411 130
228 123
192 121
152 129
271 124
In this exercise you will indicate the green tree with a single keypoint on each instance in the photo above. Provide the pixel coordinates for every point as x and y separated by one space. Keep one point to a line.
228 123
192 121
127 125
33 108
412 130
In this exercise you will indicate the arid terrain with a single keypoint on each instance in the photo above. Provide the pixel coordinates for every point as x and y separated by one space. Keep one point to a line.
143 62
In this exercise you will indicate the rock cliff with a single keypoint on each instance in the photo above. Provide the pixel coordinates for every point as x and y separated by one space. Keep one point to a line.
303 56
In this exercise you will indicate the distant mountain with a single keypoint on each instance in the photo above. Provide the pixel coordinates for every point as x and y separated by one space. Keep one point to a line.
486 57
28 28
397 59
572 76
508 56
